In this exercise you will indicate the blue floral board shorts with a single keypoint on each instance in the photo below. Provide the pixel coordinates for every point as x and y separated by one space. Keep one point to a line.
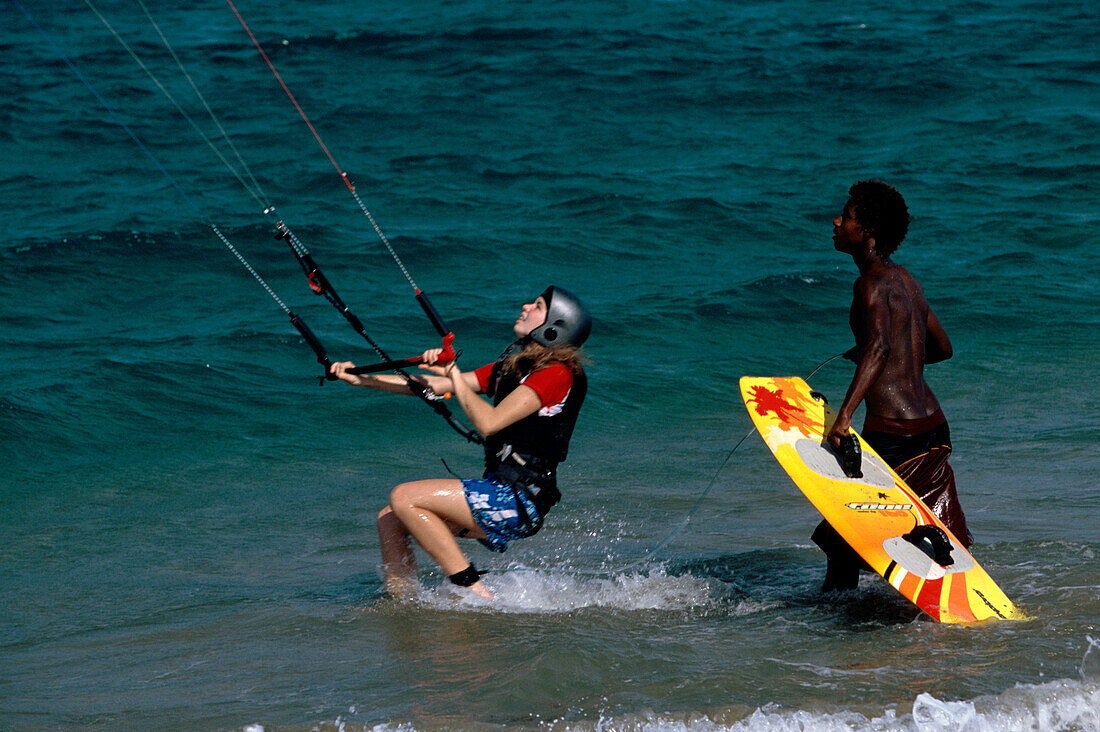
493 505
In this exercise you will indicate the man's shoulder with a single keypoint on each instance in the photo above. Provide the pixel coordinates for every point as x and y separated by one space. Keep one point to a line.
909 282
893 285
874 282
885 275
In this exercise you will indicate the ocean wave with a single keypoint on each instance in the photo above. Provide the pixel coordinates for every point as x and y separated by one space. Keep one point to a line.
1052 707
1064 705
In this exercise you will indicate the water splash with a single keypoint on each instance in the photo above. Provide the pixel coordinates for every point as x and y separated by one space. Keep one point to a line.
1059 706
528 591
930 713
1087 670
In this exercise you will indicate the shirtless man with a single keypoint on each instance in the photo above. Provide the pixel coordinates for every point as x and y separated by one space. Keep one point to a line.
896 335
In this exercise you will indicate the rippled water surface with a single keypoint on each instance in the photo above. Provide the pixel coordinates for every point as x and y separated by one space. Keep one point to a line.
188 519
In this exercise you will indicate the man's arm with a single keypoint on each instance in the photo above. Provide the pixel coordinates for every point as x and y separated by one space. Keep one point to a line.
937 346
872 357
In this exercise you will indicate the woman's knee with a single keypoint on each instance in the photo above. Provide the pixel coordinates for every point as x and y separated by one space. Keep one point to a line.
433 496
388 522
403 496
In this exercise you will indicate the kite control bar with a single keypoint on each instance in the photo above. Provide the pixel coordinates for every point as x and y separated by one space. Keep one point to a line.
447 356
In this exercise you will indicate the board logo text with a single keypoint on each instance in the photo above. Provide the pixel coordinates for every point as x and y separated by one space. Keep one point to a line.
879 506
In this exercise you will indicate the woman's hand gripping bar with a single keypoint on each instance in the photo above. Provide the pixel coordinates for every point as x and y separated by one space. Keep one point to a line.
447 356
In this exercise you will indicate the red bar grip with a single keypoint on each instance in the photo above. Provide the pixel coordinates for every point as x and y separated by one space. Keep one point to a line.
448 354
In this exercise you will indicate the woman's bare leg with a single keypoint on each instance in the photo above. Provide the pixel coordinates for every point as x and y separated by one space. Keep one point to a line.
398 560
431 511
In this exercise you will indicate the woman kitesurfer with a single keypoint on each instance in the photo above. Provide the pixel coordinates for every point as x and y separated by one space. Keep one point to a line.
537 388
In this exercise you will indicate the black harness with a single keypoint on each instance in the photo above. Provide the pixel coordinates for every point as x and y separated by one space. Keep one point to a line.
524 475
525 455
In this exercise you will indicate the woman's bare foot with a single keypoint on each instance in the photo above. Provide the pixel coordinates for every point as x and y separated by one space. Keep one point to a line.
402 588
481 590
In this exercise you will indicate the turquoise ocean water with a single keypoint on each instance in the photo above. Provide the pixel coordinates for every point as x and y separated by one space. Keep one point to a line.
188 520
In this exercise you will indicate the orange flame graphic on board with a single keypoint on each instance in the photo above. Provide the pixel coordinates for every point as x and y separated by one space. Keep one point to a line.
791 411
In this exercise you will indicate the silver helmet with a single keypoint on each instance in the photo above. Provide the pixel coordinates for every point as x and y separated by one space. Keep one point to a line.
567 320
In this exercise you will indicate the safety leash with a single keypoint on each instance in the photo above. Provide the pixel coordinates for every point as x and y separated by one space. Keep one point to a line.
675 531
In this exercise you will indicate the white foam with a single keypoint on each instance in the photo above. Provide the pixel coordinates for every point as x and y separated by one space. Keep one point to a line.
1090 670
1059 706
528 591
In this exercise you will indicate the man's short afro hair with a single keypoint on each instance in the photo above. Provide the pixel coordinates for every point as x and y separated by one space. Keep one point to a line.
882 213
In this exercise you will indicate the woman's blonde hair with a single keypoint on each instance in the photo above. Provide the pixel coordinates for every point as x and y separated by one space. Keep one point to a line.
535 356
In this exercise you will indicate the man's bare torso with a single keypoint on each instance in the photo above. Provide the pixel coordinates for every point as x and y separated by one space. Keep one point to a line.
900 391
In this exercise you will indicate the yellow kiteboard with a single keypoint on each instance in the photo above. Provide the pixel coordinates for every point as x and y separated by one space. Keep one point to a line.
877 514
